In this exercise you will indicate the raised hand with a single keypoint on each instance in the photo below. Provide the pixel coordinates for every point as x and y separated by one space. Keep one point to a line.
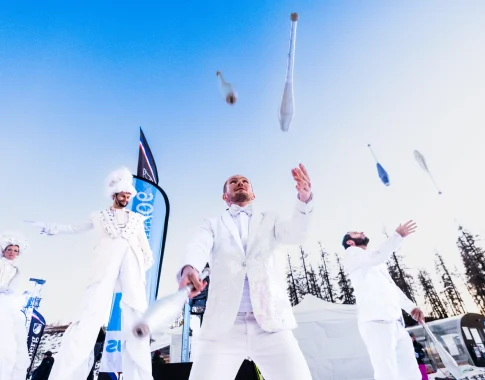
406 229
303 184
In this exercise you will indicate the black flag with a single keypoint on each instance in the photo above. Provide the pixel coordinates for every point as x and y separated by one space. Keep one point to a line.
36 330
147 169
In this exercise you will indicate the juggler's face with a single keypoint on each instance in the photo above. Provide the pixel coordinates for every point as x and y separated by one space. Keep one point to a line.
358 239
238 190
121 200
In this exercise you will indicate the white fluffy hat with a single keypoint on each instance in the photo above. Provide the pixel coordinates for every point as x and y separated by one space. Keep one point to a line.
120 181
8 238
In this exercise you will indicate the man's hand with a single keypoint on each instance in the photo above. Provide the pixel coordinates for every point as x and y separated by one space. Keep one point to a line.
303 184
191 276
418 315
406 229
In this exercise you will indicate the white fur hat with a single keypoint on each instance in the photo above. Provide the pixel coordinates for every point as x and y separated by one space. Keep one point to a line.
120 181
8 238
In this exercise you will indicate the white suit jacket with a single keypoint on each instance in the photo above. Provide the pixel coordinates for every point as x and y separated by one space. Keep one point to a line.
105 226
217 242
378 298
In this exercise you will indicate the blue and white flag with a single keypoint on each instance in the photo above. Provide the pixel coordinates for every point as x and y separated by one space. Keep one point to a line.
152 202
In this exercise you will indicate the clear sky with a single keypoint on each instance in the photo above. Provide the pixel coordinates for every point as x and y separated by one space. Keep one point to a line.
76 82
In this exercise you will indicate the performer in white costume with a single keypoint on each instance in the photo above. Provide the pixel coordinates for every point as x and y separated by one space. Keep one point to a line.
248 313
379 304
122 256
14 356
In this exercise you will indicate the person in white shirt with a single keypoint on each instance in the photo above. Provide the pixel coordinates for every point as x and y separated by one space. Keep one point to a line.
379 302
122 256
248 313
14 356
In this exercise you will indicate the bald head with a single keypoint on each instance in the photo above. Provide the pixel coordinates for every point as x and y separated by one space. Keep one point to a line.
238 190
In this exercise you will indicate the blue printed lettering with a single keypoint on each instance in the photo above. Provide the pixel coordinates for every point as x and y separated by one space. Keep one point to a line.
113 345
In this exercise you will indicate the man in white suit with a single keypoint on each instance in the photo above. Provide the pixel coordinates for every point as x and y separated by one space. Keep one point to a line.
122 255
248 313
379 304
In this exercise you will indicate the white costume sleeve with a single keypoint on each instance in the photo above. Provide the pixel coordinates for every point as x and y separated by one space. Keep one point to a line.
14 284
7 274
293 230
145 246
357 258
55 229
406 304
199 249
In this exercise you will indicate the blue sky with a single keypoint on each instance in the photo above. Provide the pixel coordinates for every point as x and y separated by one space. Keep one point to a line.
77 82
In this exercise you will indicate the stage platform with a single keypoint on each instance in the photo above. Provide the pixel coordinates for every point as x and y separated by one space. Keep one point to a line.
181 371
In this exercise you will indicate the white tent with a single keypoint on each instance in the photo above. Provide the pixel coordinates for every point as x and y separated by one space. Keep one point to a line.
165 338
329 338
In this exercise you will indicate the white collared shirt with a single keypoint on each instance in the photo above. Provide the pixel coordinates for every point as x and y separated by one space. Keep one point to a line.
245 305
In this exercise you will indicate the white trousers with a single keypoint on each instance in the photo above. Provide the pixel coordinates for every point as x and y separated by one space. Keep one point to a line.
14 356
277 355
73 362
391 350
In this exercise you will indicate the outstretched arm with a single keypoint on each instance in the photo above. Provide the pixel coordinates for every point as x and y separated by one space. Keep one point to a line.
50 229
357 258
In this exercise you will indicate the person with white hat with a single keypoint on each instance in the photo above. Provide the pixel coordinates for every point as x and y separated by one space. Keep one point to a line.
14 357
122 256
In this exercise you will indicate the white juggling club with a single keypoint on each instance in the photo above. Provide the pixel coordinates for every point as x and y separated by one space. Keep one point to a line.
422 162
287 106
164 311
448 361
227 90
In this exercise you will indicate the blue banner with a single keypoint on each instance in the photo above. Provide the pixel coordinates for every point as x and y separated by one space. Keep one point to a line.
152 202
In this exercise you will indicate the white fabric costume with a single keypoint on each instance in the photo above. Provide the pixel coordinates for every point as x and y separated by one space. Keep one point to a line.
379 304
14 356
122 256
248 313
